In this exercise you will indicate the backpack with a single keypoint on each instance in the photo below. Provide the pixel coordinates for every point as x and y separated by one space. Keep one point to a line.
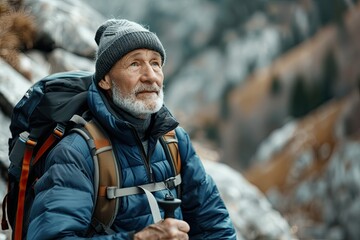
52 108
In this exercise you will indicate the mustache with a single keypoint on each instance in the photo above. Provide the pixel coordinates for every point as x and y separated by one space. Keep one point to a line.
149 88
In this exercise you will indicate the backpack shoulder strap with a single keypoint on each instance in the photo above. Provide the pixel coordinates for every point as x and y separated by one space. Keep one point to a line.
172 148
106 173
169 142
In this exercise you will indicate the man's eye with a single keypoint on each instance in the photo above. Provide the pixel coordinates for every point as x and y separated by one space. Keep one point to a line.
156 64
134 64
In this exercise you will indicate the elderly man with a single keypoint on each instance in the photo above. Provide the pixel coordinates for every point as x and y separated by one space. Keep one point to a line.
126 99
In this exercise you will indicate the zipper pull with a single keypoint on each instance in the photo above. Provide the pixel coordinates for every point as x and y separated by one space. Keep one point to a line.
150 172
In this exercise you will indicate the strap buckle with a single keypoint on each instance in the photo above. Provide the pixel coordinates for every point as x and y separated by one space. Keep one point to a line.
170 182
59 130
25 137
111 192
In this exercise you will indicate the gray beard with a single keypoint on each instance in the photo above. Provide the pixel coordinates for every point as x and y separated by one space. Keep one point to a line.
138 108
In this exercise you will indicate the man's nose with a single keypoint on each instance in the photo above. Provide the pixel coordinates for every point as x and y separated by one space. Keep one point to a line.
148 73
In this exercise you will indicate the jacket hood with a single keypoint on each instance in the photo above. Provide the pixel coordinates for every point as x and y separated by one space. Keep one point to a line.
161 122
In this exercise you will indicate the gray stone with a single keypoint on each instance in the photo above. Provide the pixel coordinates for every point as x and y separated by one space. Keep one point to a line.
4 136
71 24
250 211
62 60
343 178
199 88
12 84
35 63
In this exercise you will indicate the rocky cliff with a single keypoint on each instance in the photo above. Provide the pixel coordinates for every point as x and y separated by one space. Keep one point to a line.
265 87
64 42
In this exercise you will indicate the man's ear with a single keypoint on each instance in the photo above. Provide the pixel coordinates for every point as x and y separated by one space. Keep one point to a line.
105 83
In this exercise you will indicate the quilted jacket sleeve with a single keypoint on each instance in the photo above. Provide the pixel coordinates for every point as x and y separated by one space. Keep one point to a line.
202 205
63 203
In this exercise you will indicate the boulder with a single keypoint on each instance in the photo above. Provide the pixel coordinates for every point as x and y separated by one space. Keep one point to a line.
340 197
250 211
62 60
4 136
69 24
35 62
12 86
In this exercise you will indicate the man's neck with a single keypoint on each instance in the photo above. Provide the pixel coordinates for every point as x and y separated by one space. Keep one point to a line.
141 124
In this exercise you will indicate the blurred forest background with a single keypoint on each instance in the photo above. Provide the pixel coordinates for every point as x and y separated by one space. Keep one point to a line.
268 87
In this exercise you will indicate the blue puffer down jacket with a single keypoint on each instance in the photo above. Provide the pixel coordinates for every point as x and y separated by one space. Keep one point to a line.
64 199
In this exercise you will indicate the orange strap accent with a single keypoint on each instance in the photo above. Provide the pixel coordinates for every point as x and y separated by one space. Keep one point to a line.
47 144
57 133
100 143
102 191
22 189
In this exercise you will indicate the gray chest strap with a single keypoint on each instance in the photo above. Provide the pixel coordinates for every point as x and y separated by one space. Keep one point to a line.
115 192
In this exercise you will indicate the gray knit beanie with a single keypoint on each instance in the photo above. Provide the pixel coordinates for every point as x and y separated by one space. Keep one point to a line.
116 38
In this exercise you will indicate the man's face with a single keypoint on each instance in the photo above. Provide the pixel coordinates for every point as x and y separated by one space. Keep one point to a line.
136 82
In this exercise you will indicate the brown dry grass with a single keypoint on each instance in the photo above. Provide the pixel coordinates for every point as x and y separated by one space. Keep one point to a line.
17 33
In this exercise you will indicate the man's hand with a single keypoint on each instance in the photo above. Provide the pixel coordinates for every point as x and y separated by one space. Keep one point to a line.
170 229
